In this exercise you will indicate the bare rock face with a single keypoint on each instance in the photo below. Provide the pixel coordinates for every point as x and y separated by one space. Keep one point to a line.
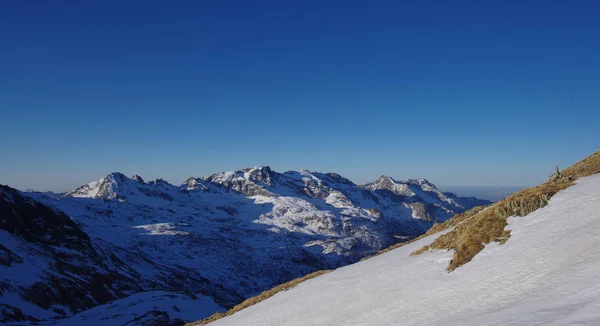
558 176
262 174
247 181
34 222
375 212
421 212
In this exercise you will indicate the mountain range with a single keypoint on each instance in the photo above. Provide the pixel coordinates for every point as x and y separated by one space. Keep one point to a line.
125 244
546 273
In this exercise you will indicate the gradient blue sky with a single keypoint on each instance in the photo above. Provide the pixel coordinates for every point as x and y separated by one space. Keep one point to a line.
462 93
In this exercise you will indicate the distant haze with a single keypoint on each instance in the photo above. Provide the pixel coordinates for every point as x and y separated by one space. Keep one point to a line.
493 193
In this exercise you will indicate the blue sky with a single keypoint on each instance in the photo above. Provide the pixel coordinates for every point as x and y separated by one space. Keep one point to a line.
462 93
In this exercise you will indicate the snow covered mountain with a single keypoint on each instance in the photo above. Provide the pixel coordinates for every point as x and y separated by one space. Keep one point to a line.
215 240
49 264
50 268
545 274
427 202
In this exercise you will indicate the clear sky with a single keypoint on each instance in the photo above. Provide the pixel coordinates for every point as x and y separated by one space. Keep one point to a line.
462 93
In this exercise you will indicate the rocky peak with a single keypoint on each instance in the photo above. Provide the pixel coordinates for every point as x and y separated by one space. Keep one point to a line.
108 187
421 182
6 193
338 178
383 182
385 179
191 183
159 182
262 174
117 176
138 179
195 184
246 181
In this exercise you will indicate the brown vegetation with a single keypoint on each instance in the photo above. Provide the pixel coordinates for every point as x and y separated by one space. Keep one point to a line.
437 227
261 297
485 226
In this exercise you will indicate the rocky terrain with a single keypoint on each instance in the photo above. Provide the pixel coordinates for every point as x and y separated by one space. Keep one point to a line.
214 240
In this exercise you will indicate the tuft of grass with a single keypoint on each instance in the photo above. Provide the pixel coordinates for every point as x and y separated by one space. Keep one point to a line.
475 228
420 251
261 297
455 220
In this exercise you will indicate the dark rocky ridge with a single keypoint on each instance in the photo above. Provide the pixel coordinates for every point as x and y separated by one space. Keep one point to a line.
48 233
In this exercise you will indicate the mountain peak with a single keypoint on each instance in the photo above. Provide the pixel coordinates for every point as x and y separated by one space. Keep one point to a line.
264 168
384 180
259 174
421 182
338 178
106 188
138 179
117 176
159 181
7 193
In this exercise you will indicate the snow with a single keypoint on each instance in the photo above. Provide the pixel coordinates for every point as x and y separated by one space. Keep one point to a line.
545 274
26 272
90 190
119 312
14 300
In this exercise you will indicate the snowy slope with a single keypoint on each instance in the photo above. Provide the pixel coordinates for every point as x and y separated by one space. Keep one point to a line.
159 307
545 274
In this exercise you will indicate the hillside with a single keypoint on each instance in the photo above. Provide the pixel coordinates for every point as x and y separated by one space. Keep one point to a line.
213 241
545 273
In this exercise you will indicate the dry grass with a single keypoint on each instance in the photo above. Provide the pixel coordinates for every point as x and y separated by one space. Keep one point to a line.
454 220
588 166
261 297
437 227
482 227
